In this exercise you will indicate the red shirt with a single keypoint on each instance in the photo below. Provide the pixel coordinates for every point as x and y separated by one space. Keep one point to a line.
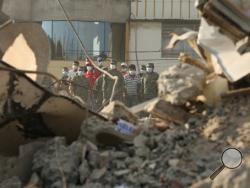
97 73
91 78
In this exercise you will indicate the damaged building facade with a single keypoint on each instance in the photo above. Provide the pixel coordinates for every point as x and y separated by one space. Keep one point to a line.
176 140
100 24
151 23
118 28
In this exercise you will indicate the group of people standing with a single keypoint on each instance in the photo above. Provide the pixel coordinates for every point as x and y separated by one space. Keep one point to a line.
95 88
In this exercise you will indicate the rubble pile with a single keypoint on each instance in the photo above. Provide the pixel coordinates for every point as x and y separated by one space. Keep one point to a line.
177 157
180 83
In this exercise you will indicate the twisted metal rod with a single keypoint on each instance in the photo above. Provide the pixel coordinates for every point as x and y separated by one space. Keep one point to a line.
29 72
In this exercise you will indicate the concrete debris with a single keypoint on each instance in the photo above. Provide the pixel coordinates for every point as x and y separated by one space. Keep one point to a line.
82 149
177 157
26 42
233 65
58 164
232 17
44 118
34 181
181 83
117 110
239 178
103 132
11 183
166 111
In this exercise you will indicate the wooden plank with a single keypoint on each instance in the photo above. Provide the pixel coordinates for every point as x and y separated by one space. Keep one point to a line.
140 107
244 91
166 111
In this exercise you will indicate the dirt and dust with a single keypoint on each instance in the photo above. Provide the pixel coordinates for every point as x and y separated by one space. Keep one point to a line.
178 157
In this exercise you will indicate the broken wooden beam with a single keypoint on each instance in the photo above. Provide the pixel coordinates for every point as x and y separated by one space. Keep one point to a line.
166 111
117 110
233 93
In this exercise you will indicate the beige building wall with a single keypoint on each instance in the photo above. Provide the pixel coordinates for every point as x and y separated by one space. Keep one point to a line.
148 39
164 9
146 20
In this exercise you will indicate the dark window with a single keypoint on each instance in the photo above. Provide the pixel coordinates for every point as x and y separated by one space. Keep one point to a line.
96 36
178 27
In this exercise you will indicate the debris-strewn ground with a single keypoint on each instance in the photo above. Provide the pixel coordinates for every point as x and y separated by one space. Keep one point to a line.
178 157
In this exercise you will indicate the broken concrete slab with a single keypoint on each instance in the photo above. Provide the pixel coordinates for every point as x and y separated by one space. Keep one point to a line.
181 83
34 112
18 53
117 110
232 17
233 65
4 20
25 42
102 132
140 107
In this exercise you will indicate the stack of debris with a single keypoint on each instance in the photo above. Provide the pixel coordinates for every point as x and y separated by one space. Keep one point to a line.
177 146
176 157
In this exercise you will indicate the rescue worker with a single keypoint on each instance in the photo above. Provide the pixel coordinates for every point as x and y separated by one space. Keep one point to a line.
73 72
65 73
84 68
132 86
142 70
96 72
90 74
91 77
64 84
124 69
100 62
150 87
109 83
79 85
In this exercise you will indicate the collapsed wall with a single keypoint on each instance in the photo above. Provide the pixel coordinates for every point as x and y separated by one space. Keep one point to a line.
177 157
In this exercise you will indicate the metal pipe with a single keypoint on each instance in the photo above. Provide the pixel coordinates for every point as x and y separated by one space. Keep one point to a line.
172 7
163 8
28 72
145 11
137 7
189 9
154 8
180 9
6 23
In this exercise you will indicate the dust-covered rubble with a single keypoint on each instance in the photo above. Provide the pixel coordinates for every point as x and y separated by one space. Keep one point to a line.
178 157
